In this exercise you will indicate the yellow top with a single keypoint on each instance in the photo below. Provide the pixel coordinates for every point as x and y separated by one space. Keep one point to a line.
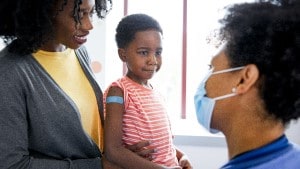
66 71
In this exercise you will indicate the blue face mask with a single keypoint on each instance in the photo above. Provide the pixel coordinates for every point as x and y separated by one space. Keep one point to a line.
204 105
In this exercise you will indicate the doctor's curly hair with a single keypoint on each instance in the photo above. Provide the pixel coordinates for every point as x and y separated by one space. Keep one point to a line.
268 35
27 24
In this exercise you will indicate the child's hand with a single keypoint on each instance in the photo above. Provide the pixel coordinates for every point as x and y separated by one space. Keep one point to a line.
184 162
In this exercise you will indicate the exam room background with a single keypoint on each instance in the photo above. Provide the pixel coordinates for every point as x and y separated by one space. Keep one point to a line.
179 76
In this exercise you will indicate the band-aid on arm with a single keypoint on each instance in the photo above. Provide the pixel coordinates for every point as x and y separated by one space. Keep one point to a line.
115 99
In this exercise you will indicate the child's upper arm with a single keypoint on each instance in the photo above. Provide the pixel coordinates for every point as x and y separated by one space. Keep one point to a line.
113 120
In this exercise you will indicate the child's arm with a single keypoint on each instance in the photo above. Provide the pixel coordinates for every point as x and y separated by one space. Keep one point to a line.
114 151
183 160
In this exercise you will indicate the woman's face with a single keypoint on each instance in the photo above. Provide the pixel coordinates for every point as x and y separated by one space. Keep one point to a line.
220 85
213 87
68 33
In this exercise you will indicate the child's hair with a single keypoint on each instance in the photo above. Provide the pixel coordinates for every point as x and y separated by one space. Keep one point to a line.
131 24
29 23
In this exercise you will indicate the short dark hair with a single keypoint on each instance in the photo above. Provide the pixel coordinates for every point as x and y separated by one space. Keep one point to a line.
267 34
131 24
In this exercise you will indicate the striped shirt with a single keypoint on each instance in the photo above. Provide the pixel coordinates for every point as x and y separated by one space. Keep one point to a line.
145 118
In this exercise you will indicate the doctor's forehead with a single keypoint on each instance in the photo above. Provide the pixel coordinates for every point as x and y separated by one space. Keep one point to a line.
220 60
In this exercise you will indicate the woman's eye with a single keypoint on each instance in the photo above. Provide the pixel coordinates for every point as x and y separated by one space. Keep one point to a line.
210 67
92 13
81 15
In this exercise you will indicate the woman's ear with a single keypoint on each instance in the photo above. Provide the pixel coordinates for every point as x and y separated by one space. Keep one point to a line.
249 77
122 54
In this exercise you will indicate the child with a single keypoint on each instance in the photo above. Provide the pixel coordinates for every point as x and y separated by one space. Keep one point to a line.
134 110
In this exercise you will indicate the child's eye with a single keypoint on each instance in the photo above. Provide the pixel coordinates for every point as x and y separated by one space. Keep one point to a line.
145 53
158 53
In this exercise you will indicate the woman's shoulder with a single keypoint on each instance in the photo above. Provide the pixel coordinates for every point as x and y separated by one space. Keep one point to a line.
10 62
295 148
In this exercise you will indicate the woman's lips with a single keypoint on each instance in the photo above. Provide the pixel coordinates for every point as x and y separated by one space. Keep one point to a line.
80 39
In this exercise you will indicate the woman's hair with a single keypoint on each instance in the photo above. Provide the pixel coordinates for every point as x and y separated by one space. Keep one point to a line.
29 23
131 24
267 34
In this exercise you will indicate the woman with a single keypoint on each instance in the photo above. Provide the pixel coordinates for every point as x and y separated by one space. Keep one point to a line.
258 68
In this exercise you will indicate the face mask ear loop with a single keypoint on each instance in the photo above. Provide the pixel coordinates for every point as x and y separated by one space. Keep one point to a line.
228 70
227 95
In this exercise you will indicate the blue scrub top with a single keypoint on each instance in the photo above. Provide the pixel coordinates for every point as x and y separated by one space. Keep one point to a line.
279 154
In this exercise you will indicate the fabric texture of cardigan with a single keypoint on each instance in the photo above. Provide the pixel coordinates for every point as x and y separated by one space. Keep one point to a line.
40 125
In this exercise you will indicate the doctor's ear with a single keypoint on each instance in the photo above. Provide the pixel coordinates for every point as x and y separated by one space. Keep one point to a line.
248 77
122 54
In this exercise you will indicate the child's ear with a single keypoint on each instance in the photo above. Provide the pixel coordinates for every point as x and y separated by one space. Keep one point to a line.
122 54
249 77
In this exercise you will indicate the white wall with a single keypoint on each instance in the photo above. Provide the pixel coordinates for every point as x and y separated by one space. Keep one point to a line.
205 157
203 152
293 132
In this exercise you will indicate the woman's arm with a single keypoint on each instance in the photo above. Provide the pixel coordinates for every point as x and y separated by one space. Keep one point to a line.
16 130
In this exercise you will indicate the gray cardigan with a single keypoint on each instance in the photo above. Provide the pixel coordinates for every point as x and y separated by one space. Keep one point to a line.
40 125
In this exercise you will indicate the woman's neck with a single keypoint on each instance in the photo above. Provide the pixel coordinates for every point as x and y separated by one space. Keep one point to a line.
252 137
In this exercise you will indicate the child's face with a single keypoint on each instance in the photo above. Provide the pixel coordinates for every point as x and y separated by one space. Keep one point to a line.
66 32
143 55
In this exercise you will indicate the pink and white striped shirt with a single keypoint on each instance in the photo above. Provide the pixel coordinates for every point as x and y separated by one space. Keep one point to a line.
146 118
